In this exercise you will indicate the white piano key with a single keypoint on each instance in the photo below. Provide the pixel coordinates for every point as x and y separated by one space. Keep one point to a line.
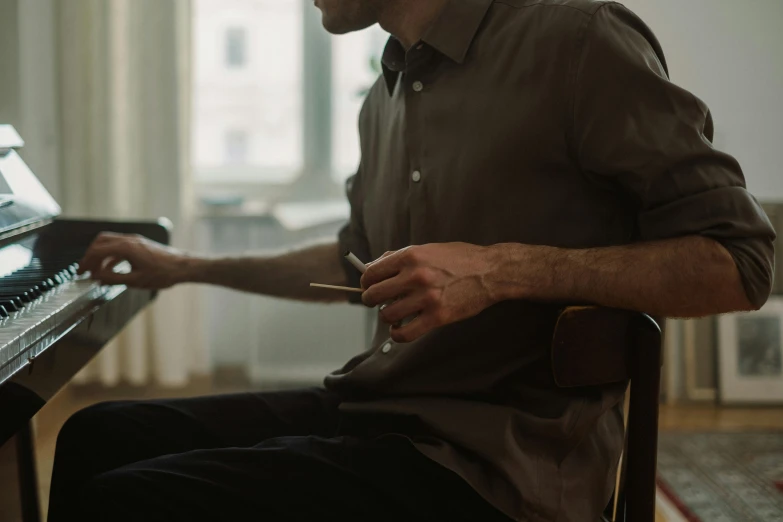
22 331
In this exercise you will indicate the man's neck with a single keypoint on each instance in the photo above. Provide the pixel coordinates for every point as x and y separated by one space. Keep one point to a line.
408 20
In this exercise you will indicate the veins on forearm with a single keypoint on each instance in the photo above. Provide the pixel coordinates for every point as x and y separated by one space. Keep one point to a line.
683 277
286 275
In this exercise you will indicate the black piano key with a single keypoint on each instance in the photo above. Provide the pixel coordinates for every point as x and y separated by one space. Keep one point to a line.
41 271
31 277
29 283
10 290
31 287
16 285
59 265
16 298
19 285
10 305
33 283
27 293
12 280
7 286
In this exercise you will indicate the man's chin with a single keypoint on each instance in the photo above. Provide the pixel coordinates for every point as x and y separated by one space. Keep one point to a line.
333 28
326 20
338 26
335 22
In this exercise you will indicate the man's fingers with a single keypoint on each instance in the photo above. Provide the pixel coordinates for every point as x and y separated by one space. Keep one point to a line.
97 254
108 277
388 265
99 245
92 260
110 263
108 237
93 257
418 327
384 256
385 291
408 306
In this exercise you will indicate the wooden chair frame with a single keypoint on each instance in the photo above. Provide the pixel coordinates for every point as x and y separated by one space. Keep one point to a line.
594 346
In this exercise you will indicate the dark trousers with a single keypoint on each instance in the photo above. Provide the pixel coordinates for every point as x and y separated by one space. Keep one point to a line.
261 457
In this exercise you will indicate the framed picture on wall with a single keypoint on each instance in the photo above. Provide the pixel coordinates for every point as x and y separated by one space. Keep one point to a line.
750 355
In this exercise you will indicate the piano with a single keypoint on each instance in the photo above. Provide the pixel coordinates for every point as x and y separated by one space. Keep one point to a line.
52 321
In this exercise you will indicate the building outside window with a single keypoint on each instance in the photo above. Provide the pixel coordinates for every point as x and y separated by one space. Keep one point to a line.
236 147
298 97
236 47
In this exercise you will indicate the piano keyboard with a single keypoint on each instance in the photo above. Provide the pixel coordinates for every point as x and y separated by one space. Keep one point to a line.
25 285
52 322
35 301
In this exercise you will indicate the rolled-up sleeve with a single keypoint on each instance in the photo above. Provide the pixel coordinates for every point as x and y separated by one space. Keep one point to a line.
351 237
639 133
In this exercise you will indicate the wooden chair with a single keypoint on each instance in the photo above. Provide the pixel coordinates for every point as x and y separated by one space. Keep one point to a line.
595 346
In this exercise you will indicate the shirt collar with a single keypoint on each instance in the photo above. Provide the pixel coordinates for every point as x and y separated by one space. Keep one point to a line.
452 34
455 29
392 63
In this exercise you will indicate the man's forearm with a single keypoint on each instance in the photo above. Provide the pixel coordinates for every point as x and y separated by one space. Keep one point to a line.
684 277
287 275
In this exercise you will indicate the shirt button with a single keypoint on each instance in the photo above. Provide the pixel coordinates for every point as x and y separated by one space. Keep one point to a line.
386 348
418 86
416 176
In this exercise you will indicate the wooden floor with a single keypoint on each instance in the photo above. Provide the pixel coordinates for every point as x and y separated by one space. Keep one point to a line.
713 418
672 418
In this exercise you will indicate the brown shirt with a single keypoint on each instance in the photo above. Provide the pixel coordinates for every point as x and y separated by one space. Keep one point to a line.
540 122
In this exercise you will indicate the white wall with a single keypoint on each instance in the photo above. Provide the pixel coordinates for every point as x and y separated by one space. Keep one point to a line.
730 54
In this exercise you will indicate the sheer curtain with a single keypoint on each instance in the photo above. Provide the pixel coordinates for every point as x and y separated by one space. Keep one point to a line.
124 100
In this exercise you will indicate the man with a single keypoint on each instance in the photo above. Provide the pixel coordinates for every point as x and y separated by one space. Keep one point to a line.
536 155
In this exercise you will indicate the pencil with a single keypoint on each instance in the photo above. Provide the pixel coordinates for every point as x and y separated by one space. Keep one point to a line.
333 287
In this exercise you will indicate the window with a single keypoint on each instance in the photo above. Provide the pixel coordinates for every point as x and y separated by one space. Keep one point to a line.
236 147
355 67
236 47
297 101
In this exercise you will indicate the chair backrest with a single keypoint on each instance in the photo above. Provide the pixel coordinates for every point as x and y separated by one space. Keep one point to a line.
594 346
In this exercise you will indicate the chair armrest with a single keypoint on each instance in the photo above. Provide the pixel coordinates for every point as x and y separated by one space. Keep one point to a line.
591 344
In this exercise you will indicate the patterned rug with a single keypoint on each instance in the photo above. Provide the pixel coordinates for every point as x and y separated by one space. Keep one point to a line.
723 477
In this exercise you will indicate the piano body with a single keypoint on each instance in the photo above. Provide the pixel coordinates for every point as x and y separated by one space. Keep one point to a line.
52 322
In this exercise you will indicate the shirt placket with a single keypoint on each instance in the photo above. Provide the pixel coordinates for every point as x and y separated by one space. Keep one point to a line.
411 88
417 90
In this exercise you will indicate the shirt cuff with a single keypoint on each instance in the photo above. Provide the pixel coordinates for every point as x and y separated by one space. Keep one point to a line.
729 215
